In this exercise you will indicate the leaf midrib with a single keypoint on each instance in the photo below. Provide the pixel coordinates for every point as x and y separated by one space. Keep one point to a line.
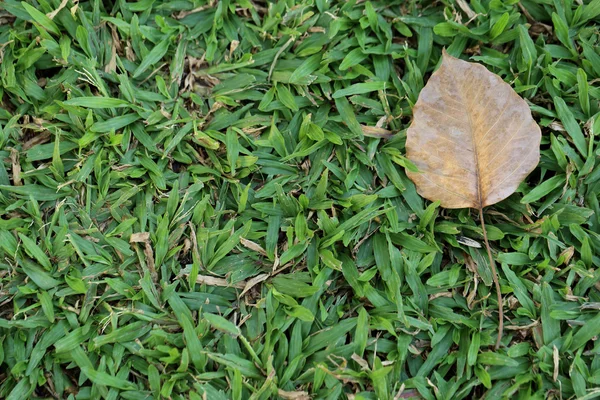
475 153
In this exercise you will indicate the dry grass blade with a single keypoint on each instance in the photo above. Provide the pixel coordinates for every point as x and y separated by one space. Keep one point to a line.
295 395
214 281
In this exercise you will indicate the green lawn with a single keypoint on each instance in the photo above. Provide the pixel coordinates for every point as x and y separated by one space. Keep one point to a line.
207 200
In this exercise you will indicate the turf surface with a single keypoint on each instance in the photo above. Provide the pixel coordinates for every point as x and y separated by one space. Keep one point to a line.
207 200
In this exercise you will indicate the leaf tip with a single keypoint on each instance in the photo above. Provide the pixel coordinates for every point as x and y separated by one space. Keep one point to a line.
447 56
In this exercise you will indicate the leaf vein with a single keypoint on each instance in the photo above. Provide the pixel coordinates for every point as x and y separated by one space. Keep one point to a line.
525 158
441 159
506 143
446 189
458 178
443 113
448 139
497 120
451 97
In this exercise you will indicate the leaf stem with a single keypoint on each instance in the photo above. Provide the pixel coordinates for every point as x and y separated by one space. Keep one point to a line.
496 282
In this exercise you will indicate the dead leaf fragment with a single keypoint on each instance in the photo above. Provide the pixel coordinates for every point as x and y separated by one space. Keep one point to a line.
249 244
466 9
139 237
556 362
376 132
16 167
296 395
253 282
40 138
62 5
468 242
472 138
214 281
144 237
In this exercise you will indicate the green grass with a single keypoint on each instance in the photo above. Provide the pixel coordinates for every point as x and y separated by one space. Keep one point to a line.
209 201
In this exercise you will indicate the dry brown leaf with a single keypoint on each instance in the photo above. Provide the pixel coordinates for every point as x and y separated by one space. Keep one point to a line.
473 140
